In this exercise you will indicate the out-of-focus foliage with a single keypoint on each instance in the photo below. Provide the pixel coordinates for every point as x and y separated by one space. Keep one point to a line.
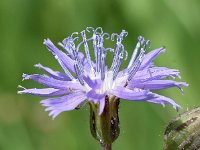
24 125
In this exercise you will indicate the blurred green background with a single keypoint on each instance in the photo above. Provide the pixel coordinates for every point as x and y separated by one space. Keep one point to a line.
24 125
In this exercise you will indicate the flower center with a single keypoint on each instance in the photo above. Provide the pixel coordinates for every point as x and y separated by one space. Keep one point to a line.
108 83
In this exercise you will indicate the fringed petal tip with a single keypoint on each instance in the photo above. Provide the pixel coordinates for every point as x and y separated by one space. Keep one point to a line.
38 65
53 114
20 92
159 99
47 41
158 51
162 49
185 84
21 87
181 84
177 107
46 103
25 77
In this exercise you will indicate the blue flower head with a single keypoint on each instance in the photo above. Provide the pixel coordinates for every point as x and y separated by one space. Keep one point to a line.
85 79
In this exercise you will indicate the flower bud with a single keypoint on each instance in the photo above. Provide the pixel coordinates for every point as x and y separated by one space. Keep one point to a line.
183 133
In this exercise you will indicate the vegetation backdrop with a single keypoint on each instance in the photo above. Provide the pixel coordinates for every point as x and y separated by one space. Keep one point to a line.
24 125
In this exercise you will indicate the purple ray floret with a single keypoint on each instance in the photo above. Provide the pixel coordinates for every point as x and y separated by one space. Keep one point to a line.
86 79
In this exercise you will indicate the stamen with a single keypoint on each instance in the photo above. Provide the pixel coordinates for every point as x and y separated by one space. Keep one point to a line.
98 47
119 62
113 36
124 33
74 51
89 29
79 45
86 48
103 65
100 29
76 58
95 38
103 54
106 36
147 45
117 48
62 45
109 49
70 45
136 64
98 53
75 39
74 33
135 52
66 45
65 41
64 68
135 67
78 73
126 55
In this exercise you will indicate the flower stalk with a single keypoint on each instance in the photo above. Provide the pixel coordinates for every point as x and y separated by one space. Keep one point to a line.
107 147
